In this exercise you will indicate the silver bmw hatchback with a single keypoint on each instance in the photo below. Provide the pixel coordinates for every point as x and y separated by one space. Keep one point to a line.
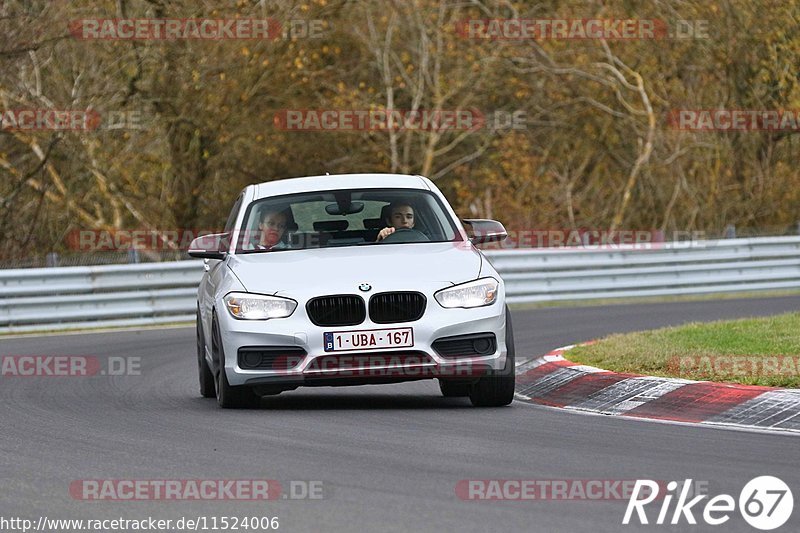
350 280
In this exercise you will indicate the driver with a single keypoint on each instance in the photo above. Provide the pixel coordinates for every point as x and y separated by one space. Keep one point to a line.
401 216
272 225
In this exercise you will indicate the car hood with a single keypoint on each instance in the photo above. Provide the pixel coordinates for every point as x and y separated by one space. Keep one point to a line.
333 270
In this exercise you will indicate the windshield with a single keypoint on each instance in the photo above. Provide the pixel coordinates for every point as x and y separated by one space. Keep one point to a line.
347 217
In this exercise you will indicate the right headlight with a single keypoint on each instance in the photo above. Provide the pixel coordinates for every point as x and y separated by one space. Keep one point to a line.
471 294
248 306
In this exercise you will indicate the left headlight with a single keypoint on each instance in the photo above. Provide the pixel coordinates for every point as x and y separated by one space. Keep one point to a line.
248 306
472 294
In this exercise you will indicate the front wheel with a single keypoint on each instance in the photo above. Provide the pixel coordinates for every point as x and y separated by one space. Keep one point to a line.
229 397
497 390
207 387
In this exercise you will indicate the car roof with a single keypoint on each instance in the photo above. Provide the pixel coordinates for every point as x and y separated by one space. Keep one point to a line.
339 181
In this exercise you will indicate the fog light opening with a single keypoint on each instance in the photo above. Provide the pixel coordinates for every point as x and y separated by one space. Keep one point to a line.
252 359
482 346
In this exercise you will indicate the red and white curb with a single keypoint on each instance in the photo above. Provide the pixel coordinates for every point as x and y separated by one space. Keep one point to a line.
554 381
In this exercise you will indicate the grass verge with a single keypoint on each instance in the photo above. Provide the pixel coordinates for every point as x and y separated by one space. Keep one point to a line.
753 351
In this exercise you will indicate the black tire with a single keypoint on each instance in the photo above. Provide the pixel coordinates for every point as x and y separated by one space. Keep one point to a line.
497 389
229 397
207 386
453 389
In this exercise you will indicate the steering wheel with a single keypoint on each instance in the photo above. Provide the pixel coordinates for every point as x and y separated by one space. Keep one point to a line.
406 235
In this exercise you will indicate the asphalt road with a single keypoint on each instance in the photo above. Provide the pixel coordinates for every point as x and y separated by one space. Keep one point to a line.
389 457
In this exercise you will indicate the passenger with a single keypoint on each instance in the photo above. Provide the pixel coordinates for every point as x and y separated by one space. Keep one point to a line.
272 225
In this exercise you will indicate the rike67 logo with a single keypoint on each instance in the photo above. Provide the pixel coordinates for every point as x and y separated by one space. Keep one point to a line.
765 503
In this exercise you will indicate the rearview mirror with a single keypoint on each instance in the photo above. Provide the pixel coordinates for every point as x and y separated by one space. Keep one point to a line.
482 231
344 209
212 246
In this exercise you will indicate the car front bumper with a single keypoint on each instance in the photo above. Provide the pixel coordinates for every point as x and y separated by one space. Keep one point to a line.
318 367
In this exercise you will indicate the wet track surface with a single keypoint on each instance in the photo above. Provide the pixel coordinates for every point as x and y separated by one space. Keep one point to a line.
389 457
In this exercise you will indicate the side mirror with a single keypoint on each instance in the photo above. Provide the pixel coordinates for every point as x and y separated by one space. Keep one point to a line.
213 246
482 231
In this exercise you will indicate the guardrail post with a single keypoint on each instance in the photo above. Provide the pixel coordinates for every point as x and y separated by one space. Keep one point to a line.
51 259
730 232
133 255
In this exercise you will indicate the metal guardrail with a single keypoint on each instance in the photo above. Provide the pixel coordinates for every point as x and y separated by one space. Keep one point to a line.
100 296
735 265
156 293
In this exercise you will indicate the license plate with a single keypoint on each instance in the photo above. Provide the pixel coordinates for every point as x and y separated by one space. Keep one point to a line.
368 339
